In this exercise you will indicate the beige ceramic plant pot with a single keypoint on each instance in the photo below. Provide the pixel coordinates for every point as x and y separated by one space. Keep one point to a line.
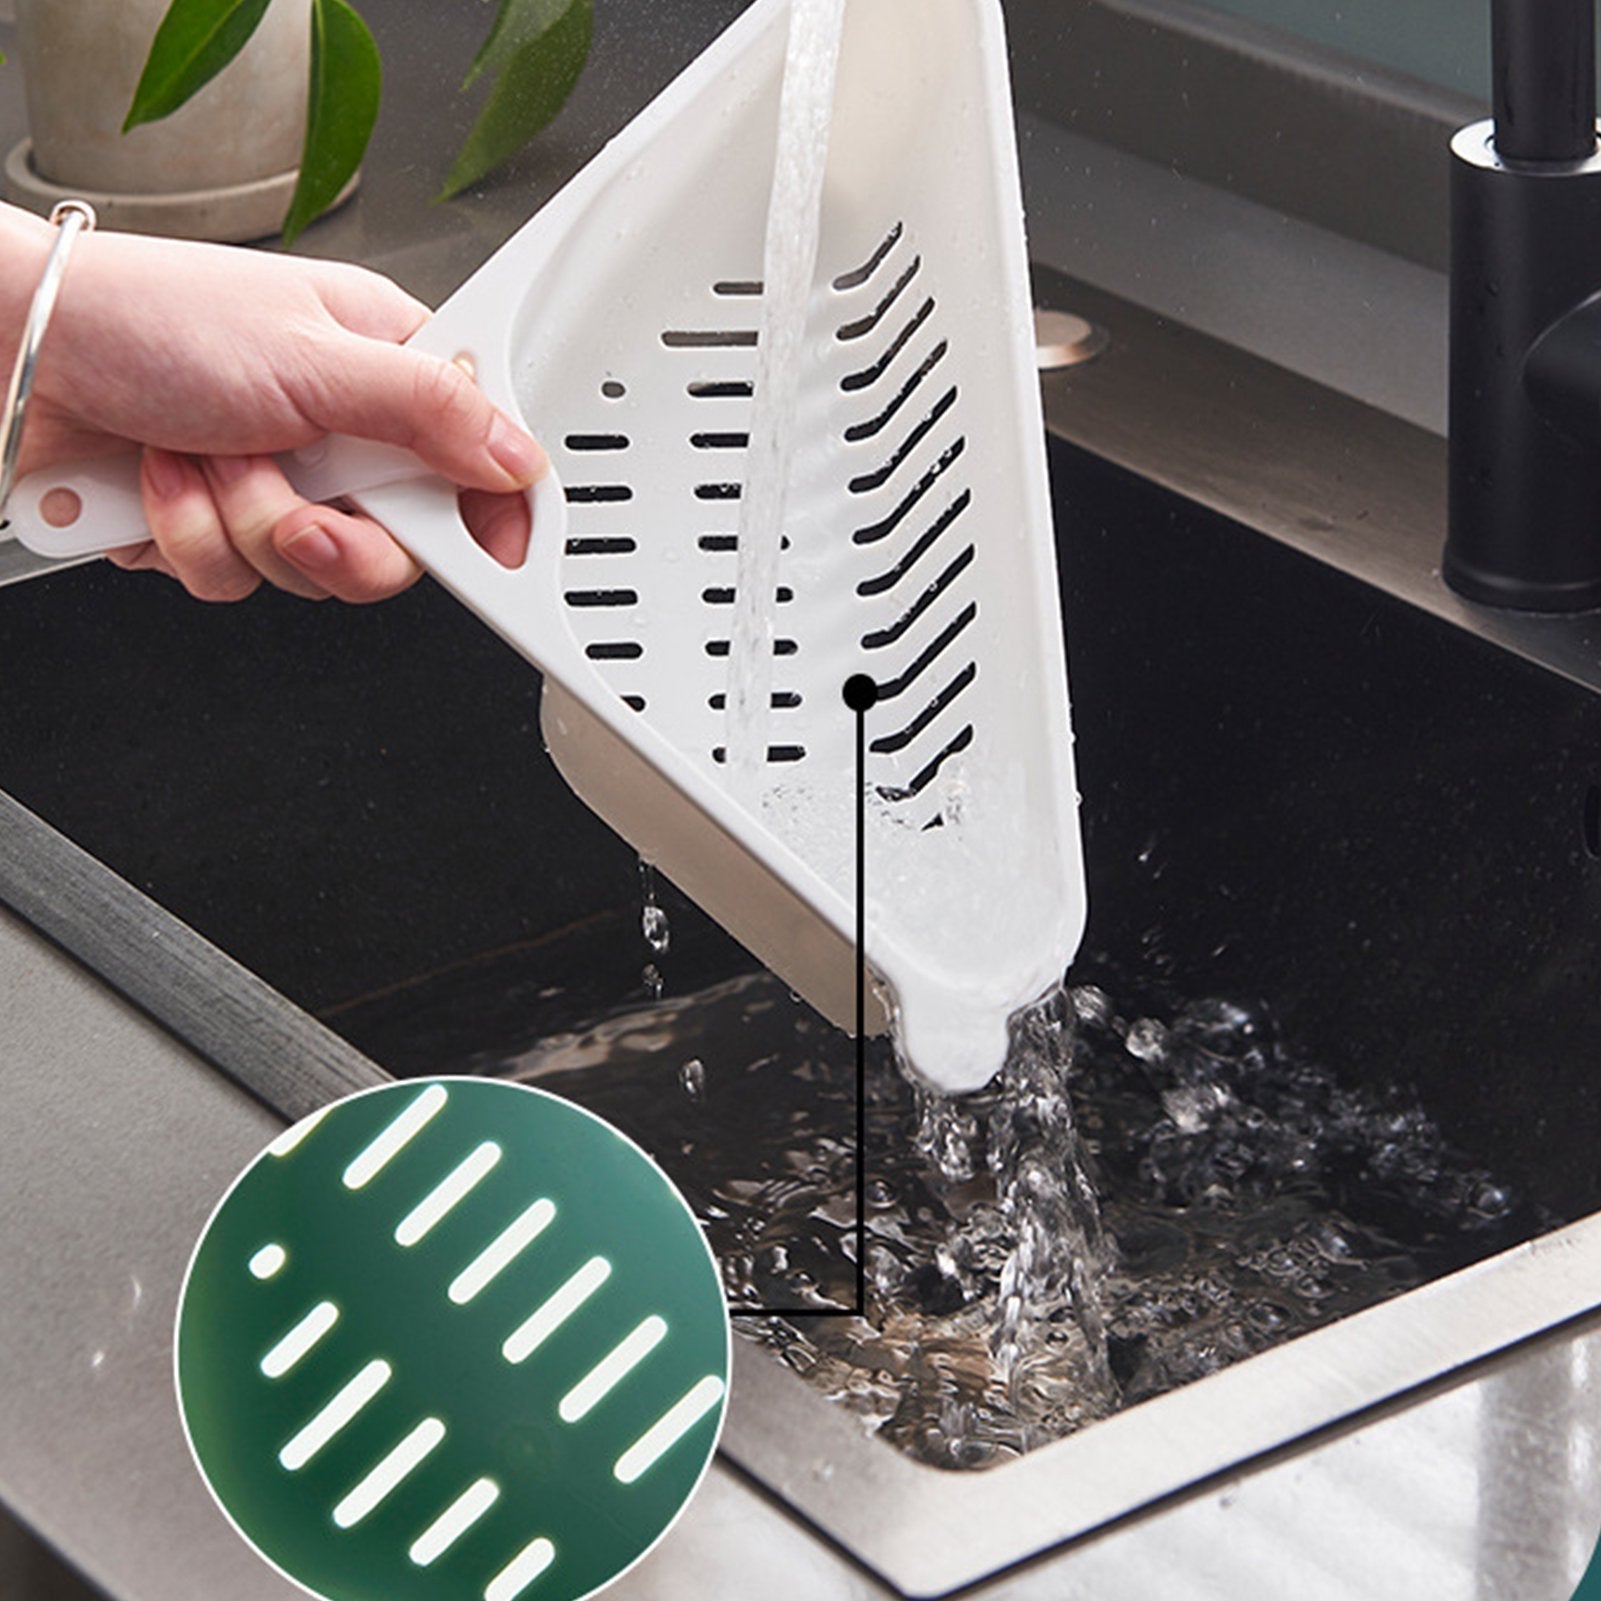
222 167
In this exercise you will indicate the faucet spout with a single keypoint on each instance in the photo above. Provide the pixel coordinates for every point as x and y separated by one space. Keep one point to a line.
1543 54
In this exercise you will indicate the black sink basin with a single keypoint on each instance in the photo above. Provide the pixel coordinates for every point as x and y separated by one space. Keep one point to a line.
1296 788
1299 790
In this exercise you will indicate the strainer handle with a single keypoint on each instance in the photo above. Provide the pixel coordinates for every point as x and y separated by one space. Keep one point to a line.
102 495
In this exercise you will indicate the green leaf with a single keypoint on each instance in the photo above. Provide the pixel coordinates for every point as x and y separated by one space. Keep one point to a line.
196 40
537 66
517 23
346 82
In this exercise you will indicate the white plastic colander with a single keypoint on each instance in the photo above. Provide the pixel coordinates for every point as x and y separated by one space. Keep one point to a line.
621 324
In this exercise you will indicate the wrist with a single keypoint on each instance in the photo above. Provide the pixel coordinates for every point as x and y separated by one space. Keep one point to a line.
24 248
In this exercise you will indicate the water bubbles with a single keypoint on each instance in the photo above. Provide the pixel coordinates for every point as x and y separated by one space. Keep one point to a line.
692 1078
1490 1199
1266 1317
1331 1240
653 981
1194 1106
1146 1039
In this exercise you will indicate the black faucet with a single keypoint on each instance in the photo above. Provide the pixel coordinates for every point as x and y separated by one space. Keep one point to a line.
1525 393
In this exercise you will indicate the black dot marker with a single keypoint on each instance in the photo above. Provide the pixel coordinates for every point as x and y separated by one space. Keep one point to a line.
860 692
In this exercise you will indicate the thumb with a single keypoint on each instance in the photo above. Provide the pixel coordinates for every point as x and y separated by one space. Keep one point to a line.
376 390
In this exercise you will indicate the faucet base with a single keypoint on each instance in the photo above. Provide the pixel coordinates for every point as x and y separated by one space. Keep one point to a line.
1525 484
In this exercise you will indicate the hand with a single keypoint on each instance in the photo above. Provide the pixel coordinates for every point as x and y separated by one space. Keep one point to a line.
210 360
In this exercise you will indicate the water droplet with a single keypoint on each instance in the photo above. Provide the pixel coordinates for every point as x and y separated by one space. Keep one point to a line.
654 926
1146 1039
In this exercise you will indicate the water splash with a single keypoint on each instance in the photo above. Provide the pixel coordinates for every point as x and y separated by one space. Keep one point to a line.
1246 1195
794 222
1059 1258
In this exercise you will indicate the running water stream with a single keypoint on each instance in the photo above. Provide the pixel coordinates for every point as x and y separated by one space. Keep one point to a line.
1049 1202
793 227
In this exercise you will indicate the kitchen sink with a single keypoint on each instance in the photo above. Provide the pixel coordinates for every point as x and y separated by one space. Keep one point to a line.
1312 782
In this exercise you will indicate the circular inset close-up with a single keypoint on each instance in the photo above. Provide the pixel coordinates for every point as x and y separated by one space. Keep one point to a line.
452 1338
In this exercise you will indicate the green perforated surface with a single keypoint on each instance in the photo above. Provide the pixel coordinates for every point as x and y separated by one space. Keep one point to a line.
475 1380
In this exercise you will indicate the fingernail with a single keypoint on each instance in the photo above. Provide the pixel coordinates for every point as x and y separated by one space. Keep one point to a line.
230 469
314 549
516 454
167 473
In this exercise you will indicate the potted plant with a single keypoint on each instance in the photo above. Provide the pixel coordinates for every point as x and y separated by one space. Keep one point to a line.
248 117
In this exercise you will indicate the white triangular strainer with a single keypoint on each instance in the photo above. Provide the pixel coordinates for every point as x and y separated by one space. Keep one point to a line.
918 536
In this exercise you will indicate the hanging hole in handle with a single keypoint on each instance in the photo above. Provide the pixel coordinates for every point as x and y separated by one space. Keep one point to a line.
501 523
60 507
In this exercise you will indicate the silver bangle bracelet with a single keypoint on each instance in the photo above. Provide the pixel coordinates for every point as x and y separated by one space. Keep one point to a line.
71 217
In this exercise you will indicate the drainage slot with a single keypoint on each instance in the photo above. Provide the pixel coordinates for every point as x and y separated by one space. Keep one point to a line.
784 700
876 480
931 772
887 636
719 441
895 686
595 494
723 595
717 491
871 375
596 441
722 389
721 542
891 743
775 753
601 597
709 338
615 650
613 545
885 581
738 286
865 325
873 532
866 430
859 275
781 647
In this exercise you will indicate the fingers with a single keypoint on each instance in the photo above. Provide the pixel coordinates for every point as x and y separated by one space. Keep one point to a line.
145 557
351 557
306 548
500 523
189 531
223 527
389 393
